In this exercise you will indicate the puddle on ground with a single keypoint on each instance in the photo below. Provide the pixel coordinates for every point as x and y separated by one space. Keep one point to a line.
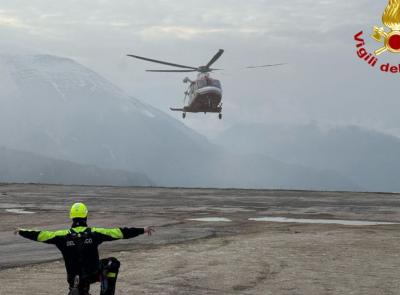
19 211
320 221
211 219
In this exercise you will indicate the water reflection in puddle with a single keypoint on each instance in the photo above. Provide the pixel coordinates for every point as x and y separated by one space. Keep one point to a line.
320 221
19 211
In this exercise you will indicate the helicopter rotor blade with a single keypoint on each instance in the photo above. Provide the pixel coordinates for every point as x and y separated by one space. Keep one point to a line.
162 62
215 58
171 71
265 66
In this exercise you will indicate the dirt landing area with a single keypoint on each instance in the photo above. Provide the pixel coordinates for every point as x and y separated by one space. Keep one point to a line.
239 256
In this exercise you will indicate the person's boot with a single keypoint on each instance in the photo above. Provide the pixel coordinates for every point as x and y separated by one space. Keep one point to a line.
110 268
75 290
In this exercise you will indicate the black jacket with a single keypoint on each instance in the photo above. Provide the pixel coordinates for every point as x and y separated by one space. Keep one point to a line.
79 245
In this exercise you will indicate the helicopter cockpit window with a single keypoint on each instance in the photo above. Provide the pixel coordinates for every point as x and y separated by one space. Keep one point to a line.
201 83
208 82
215 83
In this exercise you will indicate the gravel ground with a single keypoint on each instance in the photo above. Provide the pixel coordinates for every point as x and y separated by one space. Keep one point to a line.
196 257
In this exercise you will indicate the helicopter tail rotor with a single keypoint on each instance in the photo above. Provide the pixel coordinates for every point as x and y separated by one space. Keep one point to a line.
265 66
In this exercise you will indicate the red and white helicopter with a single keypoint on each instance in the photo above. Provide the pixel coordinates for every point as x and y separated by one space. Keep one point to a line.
204 93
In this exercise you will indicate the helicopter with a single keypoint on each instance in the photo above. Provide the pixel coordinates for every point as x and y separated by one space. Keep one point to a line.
205 92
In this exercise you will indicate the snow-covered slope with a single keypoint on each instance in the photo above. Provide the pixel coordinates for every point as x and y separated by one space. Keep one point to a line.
58 108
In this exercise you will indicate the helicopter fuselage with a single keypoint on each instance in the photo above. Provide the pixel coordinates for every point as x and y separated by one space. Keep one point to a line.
205 95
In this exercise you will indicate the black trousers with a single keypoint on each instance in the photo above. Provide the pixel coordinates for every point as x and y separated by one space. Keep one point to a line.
107 276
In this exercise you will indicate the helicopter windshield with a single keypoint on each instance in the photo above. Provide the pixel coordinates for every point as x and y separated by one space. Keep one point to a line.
208 82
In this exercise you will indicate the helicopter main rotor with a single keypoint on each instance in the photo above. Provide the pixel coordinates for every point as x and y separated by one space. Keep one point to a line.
201 69
205 93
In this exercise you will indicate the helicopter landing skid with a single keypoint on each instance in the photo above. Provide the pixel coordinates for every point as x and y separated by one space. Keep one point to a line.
218 111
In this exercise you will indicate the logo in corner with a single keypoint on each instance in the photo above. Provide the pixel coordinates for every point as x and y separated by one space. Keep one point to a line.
391 19
388 35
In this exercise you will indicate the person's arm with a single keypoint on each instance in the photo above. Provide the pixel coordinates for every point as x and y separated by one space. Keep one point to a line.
111 234
49 237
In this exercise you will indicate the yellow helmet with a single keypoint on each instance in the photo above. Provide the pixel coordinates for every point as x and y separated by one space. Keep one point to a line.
78 210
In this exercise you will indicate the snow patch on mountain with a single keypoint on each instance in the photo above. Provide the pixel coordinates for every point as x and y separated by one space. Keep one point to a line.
58 108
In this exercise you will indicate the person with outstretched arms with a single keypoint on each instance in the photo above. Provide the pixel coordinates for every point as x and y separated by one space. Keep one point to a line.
79 248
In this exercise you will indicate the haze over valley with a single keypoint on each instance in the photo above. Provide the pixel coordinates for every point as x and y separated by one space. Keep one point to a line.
61 110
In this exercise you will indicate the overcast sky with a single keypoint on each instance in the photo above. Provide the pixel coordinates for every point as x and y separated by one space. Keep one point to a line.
324 80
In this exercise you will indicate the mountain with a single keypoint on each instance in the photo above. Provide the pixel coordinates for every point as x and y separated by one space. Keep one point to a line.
17 166
367 158
60 109
57 108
